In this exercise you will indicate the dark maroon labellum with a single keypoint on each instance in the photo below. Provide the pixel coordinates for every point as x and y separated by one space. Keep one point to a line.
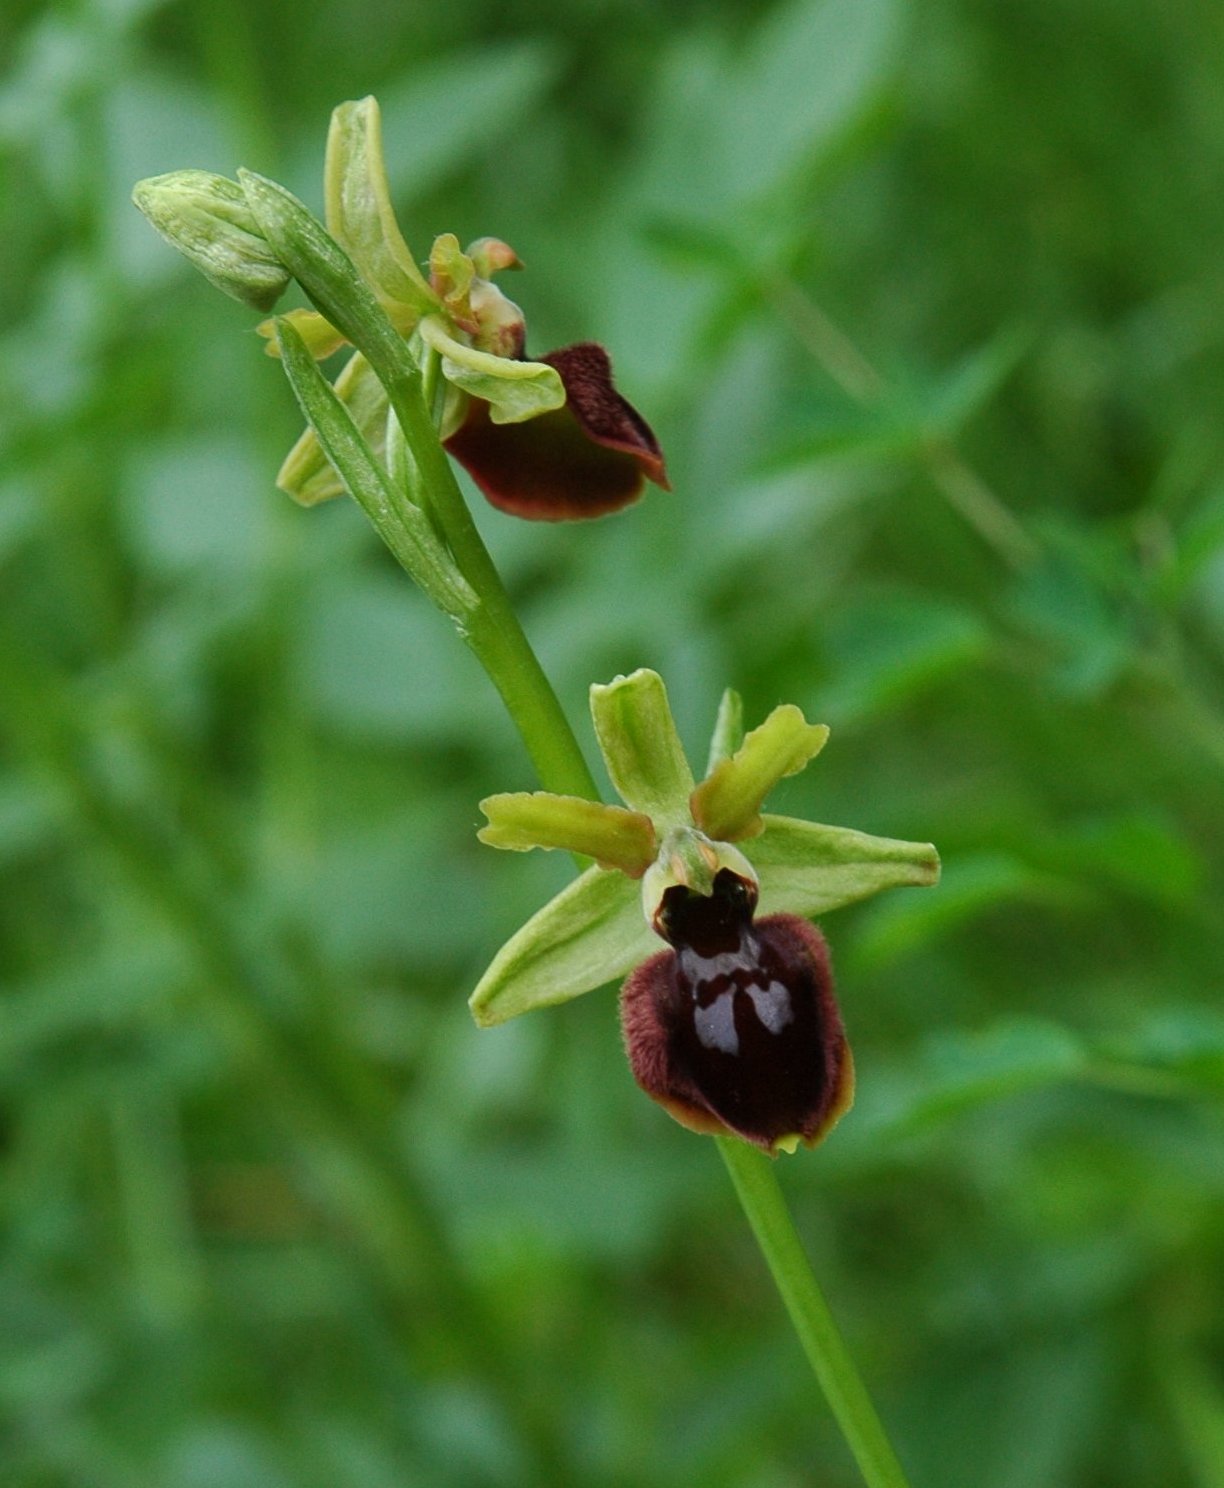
737 1028
591 457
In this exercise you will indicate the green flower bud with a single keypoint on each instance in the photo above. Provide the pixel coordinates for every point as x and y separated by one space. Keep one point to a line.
206 217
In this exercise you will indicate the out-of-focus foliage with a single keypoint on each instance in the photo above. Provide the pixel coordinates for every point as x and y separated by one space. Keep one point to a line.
272 1211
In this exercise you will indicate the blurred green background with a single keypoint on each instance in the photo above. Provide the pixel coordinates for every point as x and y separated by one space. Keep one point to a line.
927 307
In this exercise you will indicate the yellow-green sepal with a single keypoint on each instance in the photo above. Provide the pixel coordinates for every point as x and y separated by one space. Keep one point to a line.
613 836
807 868
361 218
591 933
320 337
641 748
727 803
728 732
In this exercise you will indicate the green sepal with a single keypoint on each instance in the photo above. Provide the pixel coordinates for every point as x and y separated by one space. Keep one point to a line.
307 474
728 732
206 217
404 527
638 739
361 218
515 391
727 803
591 933
614 837
806 868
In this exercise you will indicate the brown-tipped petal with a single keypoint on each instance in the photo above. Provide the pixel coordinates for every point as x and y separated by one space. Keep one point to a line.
584 460
748 1040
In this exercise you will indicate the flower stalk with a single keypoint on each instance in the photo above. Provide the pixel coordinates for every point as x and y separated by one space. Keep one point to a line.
756 1187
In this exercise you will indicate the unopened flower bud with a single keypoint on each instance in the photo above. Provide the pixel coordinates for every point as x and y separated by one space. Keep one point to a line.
206 217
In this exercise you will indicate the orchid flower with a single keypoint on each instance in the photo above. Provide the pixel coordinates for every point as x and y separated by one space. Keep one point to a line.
548 439
735 1028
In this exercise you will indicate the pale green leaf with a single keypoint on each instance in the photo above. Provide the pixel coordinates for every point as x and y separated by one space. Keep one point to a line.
307 474
403 527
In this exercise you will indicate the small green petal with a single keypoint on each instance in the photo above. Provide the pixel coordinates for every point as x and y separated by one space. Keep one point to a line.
490 256
638 739
614 837
307 474
726 805
452 273
515 391
808 869
360 215
728 732
591 933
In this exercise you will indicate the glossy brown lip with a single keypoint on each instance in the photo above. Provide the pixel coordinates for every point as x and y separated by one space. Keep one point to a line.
741 1033
592 457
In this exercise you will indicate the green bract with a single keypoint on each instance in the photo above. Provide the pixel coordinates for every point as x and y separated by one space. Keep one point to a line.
673 832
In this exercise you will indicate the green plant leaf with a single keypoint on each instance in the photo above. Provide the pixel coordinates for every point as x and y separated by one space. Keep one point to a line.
403 527
804 81
329 277
307 474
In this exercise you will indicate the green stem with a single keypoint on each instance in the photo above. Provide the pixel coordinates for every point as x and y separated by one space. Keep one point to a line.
494 632
763 1202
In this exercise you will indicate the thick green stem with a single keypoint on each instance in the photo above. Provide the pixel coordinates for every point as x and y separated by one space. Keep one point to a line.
762 1200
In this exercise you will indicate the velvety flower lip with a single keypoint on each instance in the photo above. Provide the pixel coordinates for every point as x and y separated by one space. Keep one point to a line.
749 1041
734 1028
590 457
